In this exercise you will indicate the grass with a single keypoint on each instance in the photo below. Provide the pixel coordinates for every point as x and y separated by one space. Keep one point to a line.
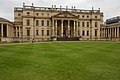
60 61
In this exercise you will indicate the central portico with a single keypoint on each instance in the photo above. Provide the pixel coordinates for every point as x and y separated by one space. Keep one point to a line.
65 24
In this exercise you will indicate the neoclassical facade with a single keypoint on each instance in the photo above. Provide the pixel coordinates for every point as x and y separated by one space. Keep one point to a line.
6 30
52 23
111 29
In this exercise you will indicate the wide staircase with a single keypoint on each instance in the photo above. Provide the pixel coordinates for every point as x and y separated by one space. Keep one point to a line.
68 39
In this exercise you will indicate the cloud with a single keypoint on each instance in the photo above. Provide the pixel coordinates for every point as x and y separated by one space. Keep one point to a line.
109 7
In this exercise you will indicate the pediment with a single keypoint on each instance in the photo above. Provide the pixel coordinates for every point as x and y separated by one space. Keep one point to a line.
65 15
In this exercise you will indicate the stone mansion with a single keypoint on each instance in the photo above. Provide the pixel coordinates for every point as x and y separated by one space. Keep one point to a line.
52 23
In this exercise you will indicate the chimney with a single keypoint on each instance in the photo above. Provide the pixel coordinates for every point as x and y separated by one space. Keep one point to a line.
72 7
32 4
92 8
54 6
99 9
66 8
23 4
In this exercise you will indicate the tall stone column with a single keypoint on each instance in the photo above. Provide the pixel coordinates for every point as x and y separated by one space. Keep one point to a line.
56 28
110 32
68 28
107 32
77 29
7 31
1 30
104 33
53 28
19 32
74 29
117 31
16 31
113 32
61 28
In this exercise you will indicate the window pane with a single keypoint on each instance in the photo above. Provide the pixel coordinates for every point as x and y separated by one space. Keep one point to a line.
95 33
87 24
83 24
47 23
37 32
47 32
78 24
28 32
42 23
37 22
28 22
42 32
95 24
83 33
87 33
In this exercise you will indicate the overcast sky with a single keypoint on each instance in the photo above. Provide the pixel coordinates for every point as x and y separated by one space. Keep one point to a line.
110 8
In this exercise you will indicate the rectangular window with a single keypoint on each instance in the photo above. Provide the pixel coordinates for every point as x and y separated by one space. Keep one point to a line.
95 24
47 23
95 33
37 32
95 16
42 22
18 34
28 32
87 24
87 33
28 22
83 24
83 33
14 34
42 32
78 32
58 32
47 32
78 24
37 22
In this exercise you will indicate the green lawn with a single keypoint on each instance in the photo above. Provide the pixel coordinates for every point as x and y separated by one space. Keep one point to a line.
60 61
